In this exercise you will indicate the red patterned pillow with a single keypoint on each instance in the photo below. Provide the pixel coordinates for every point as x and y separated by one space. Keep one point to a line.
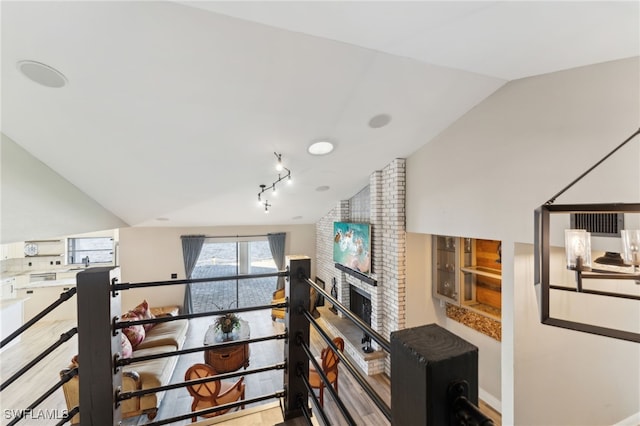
135 333
127 349
143 311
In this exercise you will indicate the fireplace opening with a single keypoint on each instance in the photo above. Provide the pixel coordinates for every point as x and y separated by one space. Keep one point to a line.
360 304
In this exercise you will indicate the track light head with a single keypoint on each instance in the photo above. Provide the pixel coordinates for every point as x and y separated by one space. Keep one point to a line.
279 166
281 177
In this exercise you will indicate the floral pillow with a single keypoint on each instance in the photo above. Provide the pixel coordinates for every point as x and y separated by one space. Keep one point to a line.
127 349
135 333
143 312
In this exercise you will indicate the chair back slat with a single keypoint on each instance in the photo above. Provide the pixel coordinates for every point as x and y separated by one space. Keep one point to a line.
207 391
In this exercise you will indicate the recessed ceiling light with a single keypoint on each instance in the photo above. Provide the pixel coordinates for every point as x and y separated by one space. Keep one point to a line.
322 188
296 218
379 120
42 74
162 219
320 148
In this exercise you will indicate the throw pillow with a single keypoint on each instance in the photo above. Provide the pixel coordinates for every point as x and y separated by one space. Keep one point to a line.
127 349
143 311
135 333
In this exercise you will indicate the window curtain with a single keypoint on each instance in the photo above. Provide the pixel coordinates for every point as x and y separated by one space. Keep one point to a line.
191 248
276 245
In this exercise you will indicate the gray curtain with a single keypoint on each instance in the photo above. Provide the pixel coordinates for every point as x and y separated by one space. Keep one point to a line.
276 244
191 248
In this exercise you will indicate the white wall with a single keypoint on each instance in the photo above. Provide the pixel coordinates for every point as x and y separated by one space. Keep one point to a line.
565 377
418 284
484 176
38 203
153 254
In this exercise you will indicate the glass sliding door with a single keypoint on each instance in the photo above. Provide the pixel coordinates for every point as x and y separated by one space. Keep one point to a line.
257 291
229 258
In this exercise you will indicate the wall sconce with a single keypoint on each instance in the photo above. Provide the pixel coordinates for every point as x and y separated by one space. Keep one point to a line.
578 256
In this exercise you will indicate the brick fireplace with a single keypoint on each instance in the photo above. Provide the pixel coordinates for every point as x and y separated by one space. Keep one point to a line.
360 304
382 204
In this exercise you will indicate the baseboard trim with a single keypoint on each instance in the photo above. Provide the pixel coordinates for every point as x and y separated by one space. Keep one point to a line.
490 400
630 421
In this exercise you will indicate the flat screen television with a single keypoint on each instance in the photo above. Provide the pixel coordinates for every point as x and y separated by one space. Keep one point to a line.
352 246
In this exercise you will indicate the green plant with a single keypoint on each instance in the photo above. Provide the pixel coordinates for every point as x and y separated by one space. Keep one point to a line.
227 322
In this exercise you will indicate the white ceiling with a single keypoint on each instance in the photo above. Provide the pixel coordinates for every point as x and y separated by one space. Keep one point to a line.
174 110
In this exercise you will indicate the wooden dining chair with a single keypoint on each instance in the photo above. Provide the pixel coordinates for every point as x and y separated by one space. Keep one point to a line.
329 363
212 394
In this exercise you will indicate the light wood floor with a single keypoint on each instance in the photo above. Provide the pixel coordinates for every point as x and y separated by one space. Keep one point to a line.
177 402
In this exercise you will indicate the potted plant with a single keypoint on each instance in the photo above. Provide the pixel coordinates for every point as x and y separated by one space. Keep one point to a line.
227 323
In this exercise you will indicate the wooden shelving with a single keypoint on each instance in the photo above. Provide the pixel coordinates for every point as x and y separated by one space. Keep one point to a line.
482 271
467 273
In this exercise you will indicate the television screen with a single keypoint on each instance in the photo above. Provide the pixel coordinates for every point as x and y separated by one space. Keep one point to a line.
352 245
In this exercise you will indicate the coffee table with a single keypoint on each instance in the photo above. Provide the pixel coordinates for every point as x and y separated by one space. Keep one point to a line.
227 358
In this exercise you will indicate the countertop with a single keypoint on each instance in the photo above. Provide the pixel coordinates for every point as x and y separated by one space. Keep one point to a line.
23 278
68 282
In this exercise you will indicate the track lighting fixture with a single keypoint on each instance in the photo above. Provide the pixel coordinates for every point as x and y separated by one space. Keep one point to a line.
263 188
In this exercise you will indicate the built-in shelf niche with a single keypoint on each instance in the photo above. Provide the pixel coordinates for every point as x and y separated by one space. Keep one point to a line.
467 274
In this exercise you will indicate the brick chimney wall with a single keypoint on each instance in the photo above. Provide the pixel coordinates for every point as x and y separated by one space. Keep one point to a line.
382 204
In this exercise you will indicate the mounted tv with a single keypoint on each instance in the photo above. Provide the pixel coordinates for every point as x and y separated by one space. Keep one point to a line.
352 246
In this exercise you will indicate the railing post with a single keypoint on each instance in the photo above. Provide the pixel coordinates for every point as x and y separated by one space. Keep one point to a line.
428 364
97 346
297 293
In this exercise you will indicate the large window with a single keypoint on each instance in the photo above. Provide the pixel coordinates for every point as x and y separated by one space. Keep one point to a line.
95 250
229 258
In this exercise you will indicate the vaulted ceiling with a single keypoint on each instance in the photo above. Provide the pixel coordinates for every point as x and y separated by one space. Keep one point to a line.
172 111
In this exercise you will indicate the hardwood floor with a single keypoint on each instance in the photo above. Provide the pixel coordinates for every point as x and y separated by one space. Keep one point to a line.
177 402
26 389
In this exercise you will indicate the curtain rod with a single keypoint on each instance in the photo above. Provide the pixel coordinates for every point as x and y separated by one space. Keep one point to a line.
236 236
232 236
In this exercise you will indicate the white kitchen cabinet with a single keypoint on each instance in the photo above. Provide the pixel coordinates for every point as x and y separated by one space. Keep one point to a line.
8 288
11 314
13 251
38 298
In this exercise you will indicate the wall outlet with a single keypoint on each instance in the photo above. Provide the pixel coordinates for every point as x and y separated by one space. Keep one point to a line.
174 276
